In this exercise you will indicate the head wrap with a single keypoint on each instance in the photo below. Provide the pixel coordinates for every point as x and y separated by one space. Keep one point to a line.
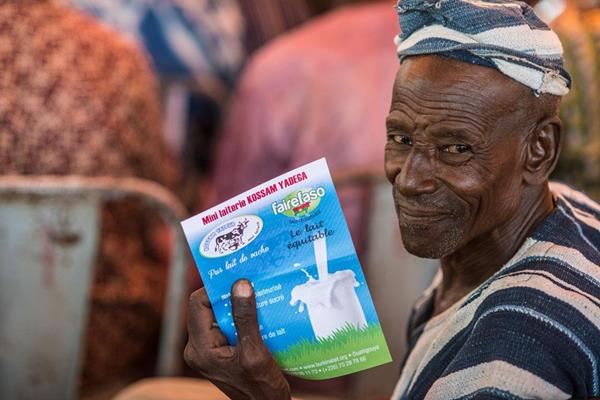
501 34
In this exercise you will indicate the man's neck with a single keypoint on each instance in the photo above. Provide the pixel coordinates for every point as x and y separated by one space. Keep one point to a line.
470 266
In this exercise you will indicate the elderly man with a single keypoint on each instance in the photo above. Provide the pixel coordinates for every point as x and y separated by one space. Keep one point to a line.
473 134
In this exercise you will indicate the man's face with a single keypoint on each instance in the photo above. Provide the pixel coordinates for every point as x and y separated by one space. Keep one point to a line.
454 152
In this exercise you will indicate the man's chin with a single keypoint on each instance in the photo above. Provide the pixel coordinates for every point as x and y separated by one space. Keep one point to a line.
423 242
423 250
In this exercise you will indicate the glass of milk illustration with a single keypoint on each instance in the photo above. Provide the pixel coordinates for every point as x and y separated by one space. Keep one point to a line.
331 300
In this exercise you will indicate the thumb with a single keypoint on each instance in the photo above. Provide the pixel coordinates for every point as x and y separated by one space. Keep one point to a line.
243 304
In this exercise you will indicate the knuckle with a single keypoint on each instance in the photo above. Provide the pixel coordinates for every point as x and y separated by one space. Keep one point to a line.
242 318
254 365
198 300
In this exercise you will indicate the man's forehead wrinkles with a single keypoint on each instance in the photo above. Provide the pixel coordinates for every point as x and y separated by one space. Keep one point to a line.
442 110
426 112
461 97
469 123
468 126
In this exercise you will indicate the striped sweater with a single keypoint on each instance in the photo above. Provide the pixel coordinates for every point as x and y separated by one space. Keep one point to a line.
531 331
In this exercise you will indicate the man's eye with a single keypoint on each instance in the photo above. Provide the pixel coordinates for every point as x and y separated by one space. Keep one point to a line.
456 148
402 139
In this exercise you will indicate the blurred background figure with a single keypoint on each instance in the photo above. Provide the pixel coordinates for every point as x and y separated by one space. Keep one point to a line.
319 91
76 99
196 40
196 48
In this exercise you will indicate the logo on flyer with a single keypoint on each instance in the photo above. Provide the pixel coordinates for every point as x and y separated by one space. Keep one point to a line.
231 236
299 203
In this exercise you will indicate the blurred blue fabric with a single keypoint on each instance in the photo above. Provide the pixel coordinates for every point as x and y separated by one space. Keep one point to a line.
184 38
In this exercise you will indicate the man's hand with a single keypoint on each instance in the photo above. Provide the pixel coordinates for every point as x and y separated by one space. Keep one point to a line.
245 372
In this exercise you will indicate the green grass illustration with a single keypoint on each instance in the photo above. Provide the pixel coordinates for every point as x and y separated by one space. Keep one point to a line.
348 350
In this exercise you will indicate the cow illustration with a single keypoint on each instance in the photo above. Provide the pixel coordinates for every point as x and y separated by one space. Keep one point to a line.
231 240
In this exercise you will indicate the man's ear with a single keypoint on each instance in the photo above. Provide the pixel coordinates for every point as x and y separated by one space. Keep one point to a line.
543 147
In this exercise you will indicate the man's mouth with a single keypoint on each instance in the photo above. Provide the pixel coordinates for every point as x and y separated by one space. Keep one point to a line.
419 215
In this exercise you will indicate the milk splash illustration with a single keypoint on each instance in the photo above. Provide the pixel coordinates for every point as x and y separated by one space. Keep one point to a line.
331 300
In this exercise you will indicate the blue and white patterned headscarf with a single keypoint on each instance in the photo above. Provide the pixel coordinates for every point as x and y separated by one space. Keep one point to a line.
501 34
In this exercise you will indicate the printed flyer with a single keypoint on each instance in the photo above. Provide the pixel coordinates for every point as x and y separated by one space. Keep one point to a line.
289 237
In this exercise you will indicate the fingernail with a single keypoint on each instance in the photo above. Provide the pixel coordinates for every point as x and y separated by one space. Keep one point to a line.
242 288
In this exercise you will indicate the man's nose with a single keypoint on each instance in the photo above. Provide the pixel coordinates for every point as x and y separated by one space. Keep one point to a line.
416 176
